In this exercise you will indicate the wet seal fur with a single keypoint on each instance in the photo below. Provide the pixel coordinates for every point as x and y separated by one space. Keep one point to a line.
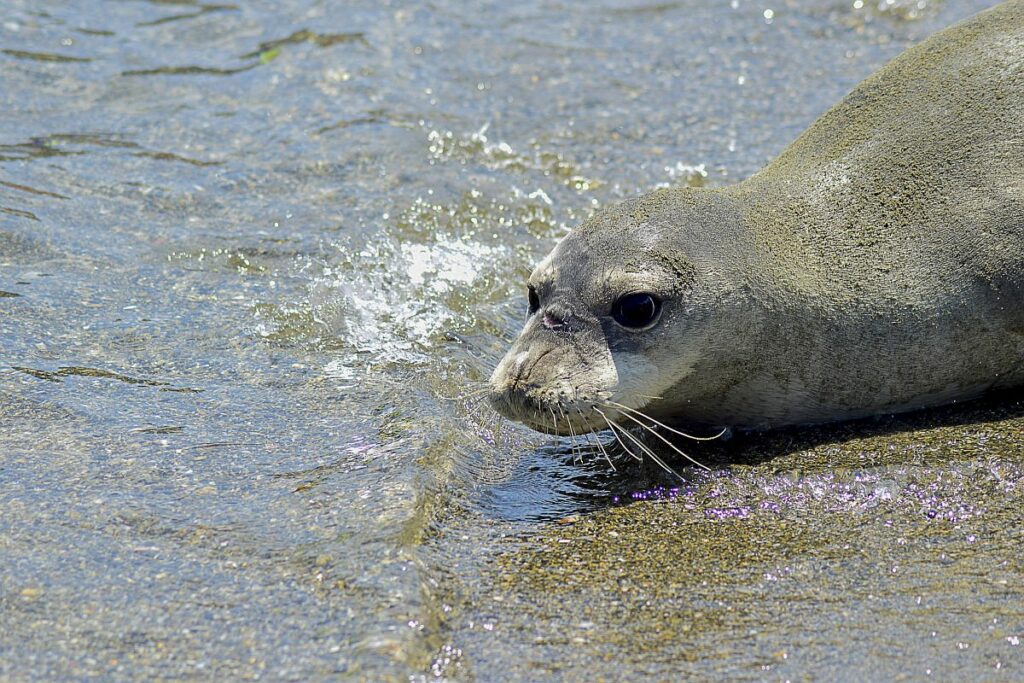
876 266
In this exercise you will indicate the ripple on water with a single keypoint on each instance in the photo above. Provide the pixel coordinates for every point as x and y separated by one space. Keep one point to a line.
395 313
435 272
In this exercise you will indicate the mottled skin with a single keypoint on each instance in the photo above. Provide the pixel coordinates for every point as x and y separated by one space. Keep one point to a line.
875 266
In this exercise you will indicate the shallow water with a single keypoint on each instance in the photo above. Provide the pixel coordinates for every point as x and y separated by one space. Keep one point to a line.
250 253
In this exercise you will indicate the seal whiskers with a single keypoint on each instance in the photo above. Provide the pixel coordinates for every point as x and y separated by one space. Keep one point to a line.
475 395
605 452
647 450
615 435
644 449
596 439
577 457
666 441
644 415
554 421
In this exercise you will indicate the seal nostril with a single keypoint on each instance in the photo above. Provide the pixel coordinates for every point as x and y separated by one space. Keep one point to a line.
556 318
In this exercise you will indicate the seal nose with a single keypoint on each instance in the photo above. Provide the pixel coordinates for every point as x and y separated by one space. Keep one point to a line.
517 367
505 383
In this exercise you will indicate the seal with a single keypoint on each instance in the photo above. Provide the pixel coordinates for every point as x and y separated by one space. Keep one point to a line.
876 266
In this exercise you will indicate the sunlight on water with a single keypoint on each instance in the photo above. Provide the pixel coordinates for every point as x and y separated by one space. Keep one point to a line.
389 302
257 261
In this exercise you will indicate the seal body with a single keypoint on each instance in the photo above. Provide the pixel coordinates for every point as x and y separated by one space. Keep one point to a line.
875 266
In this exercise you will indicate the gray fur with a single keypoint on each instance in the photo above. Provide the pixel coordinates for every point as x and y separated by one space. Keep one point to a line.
875 266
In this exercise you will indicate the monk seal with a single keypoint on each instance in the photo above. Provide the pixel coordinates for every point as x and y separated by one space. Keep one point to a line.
876 266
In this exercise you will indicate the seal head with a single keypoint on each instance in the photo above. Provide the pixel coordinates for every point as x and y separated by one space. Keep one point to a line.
622 312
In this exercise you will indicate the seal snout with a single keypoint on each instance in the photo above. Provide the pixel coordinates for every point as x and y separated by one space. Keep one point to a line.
519 387
532 387
506 389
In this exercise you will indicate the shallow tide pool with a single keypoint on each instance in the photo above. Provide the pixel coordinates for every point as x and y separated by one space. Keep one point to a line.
256 262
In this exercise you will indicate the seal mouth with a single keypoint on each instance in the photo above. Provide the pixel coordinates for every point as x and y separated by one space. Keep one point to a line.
562 416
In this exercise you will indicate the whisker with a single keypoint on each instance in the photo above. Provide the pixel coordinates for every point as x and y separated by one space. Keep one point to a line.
576 457
661 463
478 412
669 443
577 448
605 453
476 394
665 426
588 439
616 437
495 428
475 402
592 438
484 424
485 418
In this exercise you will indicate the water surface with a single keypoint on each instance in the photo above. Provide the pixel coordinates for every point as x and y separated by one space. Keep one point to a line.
255 259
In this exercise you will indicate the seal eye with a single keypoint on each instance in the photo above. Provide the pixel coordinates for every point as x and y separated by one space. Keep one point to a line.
534 301
636 310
